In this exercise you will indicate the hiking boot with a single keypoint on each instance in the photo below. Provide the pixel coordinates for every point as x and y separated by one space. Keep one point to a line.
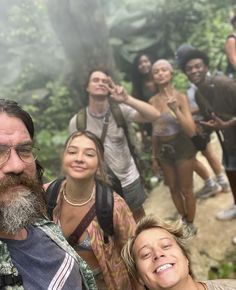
227 214
234 240
208 191
225 186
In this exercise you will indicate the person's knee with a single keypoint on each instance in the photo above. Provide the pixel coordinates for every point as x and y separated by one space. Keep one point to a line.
174 189
187 191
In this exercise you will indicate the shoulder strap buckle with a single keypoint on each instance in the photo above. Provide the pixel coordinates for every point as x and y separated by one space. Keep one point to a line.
10 280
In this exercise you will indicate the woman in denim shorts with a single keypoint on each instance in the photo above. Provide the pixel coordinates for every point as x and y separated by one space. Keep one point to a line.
172 147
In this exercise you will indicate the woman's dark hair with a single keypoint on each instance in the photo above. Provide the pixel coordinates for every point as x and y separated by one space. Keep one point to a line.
13 109
137 77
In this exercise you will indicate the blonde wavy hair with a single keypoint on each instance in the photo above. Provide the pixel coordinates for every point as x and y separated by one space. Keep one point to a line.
177 229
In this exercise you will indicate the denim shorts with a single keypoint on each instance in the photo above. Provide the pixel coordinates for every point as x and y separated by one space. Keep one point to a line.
176 150
134 194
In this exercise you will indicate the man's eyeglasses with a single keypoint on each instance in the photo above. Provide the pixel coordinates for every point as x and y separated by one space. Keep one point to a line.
27 152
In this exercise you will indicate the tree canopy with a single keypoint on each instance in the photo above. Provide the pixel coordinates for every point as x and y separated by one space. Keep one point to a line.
48 47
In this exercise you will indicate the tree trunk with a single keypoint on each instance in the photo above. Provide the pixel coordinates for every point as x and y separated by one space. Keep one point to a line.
80 26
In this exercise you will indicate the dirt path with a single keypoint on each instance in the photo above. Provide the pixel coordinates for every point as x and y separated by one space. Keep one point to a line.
214 237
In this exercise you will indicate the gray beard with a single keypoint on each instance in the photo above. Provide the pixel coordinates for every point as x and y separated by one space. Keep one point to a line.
19 213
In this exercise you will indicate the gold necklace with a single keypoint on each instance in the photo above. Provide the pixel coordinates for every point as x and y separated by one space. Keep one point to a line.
77 203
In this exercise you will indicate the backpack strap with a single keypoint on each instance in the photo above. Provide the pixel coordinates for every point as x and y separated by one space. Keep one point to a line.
85 222
105 125
104 209
51 195
81 119
103 206
81 123
121 122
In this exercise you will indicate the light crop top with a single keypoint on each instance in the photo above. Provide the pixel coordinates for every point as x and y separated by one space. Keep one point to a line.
85 245
166 125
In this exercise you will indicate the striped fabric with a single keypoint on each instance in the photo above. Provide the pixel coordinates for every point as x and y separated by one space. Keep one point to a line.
62 274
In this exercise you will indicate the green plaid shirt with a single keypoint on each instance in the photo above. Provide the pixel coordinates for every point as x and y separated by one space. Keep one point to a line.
54 232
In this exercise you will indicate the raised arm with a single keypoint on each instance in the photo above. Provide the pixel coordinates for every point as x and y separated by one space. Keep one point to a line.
145 111
230 50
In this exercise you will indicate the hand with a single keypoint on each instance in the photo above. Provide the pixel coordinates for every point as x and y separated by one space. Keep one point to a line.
171 100
117 93
215 123
172 103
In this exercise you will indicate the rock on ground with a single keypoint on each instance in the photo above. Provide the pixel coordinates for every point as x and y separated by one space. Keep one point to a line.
214 238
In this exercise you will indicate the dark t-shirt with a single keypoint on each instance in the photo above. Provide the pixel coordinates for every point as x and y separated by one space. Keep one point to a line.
43 264
220 93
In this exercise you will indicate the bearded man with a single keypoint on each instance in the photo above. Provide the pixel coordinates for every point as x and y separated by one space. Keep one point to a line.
34 254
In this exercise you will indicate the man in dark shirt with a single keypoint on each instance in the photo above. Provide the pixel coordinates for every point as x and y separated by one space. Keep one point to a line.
216 98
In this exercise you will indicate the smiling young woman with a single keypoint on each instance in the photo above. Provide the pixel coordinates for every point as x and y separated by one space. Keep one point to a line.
172 148
84 169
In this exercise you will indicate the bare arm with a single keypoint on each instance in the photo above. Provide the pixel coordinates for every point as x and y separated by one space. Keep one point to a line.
145 111
230 50
194 111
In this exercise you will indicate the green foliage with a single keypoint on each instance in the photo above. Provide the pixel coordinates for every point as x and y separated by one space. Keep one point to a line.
210 35
30 52
180 81
33 67
159 27
51 118
31 62
225 268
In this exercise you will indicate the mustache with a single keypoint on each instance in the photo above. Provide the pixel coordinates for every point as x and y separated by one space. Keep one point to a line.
29 183
13 180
